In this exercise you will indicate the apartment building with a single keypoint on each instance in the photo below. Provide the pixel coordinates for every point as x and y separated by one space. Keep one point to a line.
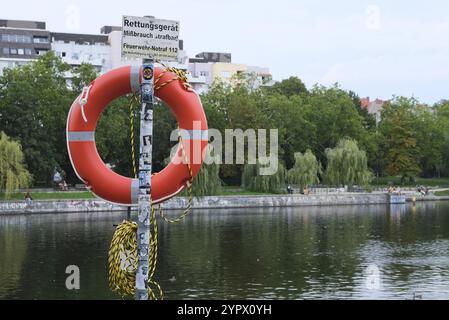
22 42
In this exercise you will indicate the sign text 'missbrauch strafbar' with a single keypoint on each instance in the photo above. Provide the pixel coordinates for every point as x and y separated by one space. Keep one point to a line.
145 37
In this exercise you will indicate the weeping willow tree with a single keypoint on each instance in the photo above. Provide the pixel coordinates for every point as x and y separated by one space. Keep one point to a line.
208 182
13 174
305 171
253 181
347 165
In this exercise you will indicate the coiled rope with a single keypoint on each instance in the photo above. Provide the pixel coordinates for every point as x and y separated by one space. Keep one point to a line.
123 259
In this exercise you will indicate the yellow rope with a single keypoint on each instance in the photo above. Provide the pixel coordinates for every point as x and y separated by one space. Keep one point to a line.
123 259
188 210
180 75
131 122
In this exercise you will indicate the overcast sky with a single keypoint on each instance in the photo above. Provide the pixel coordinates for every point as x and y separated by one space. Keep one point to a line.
376 48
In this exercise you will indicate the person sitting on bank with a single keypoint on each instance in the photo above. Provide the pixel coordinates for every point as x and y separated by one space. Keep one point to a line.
28 199
63 185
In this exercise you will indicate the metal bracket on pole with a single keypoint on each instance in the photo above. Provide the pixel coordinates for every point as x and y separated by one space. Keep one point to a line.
145 171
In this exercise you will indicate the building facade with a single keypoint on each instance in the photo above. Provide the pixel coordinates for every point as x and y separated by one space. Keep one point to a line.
76 49
373 107
210 66
22 42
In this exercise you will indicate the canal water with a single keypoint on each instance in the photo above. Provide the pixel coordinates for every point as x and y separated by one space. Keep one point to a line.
346 252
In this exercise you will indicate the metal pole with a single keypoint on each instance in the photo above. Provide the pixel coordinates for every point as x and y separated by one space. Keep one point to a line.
145 170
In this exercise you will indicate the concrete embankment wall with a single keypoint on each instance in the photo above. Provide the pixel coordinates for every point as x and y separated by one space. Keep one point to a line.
227 202
47 206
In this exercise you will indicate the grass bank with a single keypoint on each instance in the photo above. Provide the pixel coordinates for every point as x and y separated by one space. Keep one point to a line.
60 195
50 196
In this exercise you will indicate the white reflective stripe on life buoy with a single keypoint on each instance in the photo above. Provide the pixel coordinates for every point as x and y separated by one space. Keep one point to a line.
80 136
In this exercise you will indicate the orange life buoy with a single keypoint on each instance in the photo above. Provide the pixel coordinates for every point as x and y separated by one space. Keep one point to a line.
85 113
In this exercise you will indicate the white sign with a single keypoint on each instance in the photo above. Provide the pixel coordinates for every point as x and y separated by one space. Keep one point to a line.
150 38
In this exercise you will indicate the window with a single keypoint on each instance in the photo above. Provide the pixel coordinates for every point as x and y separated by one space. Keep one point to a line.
16 38
28 52
13 51
24 39
21 52
63 54
41 52
40 40
204 73
226 74
5 50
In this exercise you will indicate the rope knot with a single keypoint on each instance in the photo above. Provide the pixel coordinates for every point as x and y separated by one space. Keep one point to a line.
181 75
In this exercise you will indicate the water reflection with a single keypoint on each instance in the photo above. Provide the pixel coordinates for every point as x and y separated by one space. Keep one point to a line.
294 253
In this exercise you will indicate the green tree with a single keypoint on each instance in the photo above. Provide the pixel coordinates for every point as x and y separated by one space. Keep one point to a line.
306 170
287 115
334 116
313 120
233 105
442 113
401 153
430 141
347 165
13 174
252 180
208 182
289 87
34 102
83 75
113 137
